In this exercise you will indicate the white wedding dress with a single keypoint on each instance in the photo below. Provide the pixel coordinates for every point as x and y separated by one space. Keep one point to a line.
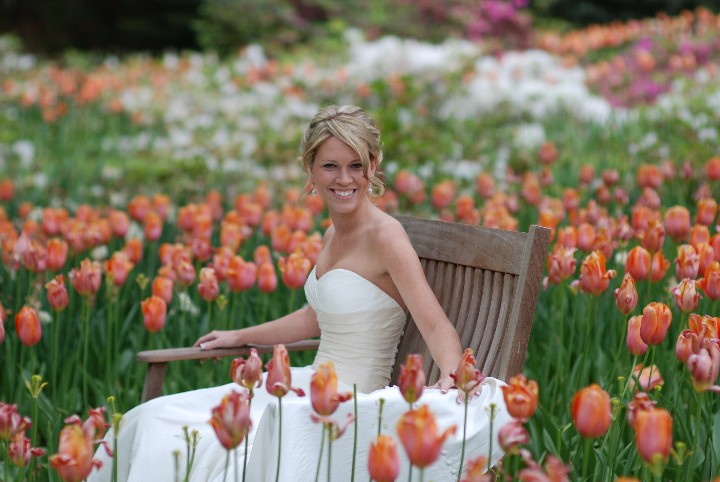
361 326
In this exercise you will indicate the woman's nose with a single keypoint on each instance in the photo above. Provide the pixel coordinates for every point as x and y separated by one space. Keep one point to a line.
343 176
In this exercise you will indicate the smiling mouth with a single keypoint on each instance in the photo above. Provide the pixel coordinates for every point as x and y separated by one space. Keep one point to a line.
343 193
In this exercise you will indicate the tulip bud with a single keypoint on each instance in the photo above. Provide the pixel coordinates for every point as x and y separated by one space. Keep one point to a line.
412 378
626 297
57 294
591 411
383 459
521 396
656 319
28 326
154 312
511 435
635 343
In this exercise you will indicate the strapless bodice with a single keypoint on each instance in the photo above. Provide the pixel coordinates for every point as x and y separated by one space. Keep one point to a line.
360 327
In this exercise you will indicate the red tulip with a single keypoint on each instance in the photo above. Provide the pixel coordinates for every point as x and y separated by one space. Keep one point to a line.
561 264
521 396
87 278
656 319
641 401
134 249
267 279
154 313
591 411
247 373
278 373
153 225
208 286
74 461
443 194
706 255
20 450
11 422
383 459
626 297
184 272
324 396
653 434
687 262
57 294
418 433
699 233
412 378
467 377
653 237
57 251
687 345
231 419
511 435
710 283
660 266
28 326
677 223
119 223
635 343
705 365
706 210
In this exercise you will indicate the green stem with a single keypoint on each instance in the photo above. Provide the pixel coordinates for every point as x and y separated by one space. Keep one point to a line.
277 471
330 441
86 344
227 464
586 454
322 446
380 411
462 450
115 454
410 472
54 348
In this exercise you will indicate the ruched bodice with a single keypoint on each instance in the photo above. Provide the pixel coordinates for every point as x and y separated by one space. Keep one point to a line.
360 327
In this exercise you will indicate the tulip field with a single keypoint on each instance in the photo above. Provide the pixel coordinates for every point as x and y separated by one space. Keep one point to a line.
145 200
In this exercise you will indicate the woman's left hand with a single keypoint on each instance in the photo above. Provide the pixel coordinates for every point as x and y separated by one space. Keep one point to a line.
444 384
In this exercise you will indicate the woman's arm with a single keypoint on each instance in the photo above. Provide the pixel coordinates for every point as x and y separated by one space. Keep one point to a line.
296 326
401 261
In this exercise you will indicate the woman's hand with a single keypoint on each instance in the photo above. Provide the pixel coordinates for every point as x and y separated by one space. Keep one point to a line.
220 339
445 383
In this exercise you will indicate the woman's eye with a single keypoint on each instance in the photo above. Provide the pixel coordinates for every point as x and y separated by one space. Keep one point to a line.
328 166
357 165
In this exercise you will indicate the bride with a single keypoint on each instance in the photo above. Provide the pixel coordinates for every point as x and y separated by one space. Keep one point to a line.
366 277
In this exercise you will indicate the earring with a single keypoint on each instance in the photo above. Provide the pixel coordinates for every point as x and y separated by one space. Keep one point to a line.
313 192
370 191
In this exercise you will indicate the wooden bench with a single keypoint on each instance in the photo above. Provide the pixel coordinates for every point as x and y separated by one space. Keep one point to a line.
486 280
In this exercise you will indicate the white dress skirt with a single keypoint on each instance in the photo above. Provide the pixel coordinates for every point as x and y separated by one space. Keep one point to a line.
360 329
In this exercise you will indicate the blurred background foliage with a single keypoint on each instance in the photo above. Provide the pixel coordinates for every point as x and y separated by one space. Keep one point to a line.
55 26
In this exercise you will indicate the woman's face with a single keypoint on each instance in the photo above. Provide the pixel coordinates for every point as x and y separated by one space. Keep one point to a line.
337 173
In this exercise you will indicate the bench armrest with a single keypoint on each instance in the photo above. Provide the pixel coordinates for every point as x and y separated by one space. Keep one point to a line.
157 360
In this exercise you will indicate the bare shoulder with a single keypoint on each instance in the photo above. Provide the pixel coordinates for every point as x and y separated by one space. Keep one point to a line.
390 238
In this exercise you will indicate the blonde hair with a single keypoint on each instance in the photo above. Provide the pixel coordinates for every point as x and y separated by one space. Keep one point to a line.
354 127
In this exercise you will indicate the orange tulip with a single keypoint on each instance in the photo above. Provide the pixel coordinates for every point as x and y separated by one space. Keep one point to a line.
626 296
704 326
262 255
28 326
699 233
649 175
162 287
184 272
87 278
641 401
511 435
567 236
134 249
247 373
294 270
561 264
594 279
638 262
443 194
57 251
324 396
138 208
687 345
118 267
267 279
586 237
653 237
648 378
119 223
653 434
587 174
241 274
418 433
383 459
660 266
467 377
475 470
706 210
485 185
591 411
52 220
154 313
153 225
412 378
656 319
706 255
686 297
687 262
7 190
231 419
201 249
677 223
74 461
278 374
208 286
57 294
521 396
635 343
